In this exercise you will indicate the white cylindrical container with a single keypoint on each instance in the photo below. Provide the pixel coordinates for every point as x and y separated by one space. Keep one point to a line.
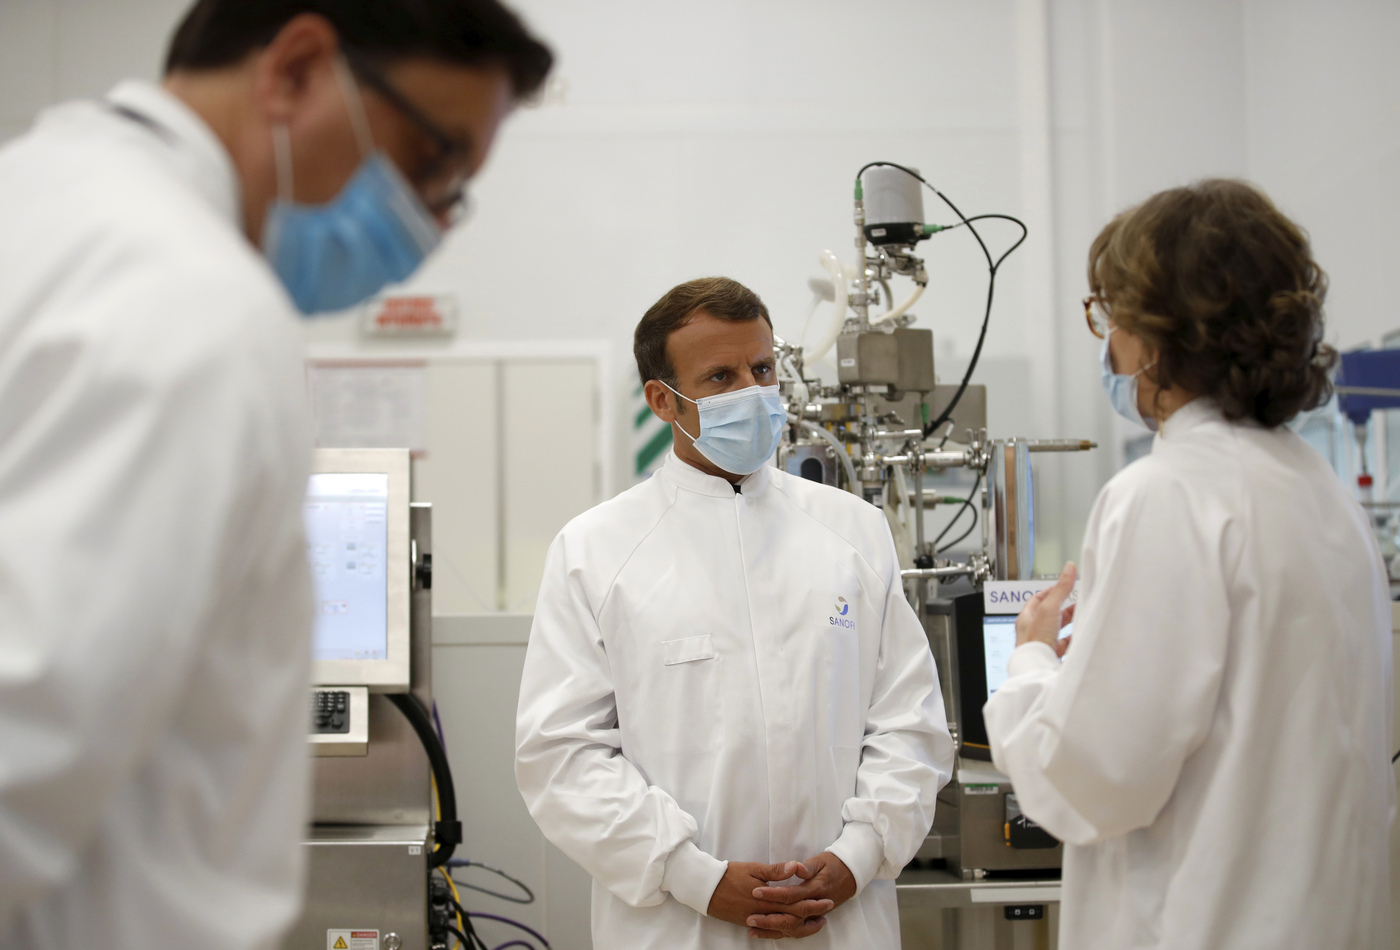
894 205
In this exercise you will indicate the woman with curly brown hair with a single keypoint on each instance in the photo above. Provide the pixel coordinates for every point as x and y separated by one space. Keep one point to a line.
1214 747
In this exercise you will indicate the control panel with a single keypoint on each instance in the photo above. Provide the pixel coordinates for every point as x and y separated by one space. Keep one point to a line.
339 720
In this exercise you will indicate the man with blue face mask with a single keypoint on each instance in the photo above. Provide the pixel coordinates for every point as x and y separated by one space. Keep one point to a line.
156 246
729 715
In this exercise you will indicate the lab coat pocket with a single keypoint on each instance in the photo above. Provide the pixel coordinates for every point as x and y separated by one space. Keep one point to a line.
682 698
688 650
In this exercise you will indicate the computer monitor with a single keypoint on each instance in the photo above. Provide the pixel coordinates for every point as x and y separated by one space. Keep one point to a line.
985 643
998 640
357 540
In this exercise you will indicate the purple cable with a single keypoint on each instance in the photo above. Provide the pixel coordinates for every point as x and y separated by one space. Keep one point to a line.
515 943
514 923
437 721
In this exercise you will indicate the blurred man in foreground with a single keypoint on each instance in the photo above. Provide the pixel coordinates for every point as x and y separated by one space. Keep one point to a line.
154 594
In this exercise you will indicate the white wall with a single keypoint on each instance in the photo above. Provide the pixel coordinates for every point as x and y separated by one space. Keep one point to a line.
1323 95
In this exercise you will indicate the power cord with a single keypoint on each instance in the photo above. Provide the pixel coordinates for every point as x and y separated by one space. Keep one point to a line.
992 266
529 897
447 832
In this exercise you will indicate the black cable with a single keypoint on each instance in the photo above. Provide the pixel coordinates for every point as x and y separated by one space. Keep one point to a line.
992 266
529 897
958 540
967 503
1394 757
447 832
472 943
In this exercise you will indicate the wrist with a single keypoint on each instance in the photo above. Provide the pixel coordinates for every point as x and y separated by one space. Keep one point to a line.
691 876
861 850
1033 655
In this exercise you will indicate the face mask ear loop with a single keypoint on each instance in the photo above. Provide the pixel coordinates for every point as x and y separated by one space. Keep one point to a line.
1144 369
1141 370
663 382
282 161
355 107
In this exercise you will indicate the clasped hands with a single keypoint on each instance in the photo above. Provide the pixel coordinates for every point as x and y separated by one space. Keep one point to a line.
745 897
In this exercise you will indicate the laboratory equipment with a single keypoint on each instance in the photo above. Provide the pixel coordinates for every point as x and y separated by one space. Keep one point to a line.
374 841
978 826
1367 381
869 432
880 429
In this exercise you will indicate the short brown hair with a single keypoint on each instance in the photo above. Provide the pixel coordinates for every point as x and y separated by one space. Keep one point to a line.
1223 287
718 296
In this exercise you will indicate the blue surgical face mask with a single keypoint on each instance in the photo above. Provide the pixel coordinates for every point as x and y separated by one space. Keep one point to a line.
375 232
1122 389
739 430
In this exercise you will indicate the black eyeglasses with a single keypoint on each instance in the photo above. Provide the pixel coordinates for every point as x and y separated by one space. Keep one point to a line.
448 184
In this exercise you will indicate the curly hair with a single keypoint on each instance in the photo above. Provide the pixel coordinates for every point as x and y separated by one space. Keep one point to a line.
1222 287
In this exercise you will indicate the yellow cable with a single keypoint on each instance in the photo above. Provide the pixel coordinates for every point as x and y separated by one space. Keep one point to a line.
437 810
461 924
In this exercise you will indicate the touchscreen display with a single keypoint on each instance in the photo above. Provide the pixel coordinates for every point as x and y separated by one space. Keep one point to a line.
998 640
346 516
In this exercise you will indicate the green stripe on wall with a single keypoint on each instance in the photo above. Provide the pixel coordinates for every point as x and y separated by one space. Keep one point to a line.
655 446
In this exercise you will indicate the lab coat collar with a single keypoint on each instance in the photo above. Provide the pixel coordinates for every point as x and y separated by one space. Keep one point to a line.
684 475
195 148
1196 412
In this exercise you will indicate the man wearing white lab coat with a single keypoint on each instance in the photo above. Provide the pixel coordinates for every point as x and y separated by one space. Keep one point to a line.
724 676
155 601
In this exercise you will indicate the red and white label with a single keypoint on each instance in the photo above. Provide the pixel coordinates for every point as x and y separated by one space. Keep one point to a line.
410 316
352 940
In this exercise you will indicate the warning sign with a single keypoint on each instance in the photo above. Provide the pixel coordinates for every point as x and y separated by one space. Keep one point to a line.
352 940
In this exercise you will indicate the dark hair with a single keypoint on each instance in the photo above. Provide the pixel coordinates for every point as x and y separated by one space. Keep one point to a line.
718 296
219 33
1223 288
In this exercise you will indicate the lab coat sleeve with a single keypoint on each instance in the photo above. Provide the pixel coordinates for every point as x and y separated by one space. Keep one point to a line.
587 798
1094 746
907 753
128 483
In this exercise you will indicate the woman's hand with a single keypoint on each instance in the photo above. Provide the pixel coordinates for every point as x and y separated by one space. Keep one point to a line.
1042 618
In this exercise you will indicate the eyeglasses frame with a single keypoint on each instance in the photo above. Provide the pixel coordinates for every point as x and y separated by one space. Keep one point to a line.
446 144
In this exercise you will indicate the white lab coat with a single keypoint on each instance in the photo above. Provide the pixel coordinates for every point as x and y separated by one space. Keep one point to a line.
718 677
1215 748
154 593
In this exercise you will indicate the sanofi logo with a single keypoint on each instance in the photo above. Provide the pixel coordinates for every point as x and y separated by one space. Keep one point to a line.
1016 597
1008 597
840 619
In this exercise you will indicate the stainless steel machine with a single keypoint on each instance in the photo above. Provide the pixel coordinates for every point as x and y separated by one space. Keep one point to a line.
884 430
376 836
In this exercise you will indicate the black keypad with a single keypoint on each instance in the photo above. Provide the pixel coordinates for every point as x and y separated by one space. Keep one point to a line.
330 711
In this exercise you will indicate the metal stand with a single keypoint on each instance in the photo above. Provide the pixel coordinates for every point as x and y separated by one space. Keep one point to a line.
372 813
940 911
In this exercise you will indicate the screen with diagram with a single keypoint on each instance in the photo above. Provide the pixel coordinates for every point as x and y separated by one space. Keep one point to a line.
347 531
998 640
